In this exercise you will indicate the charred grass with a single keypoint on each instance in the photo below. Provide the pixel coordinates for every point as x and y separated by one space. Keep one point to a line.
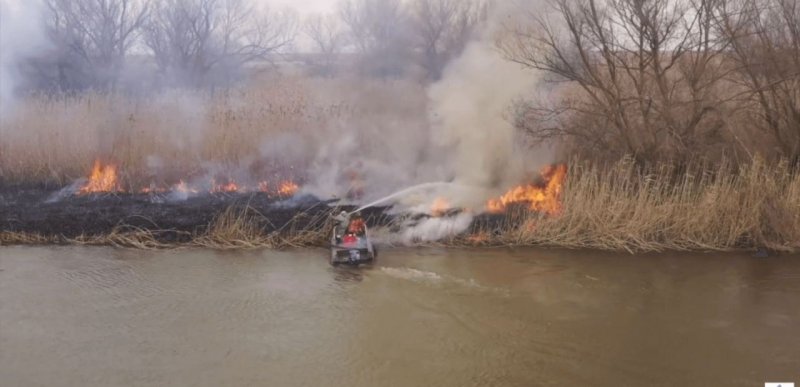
234 228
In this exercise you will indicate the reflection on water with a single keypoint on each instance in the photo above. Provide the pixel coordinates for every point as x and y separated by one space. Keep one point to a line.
106 317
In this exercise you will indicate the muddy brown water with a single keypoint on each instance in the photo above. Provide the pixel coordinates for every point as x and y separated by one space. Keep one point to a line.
420 317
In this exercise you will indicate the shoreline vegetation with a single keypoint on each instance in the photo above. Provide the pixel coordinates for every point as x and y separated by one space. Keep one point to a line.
612 208
681 122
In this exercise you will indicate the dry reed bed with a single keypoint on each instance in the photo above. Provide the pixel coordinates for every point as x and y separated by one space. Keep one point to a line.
623 209
55 139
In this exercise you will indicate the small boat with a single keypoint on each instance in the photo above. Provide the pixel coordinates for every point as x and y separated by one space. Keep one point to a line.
352 249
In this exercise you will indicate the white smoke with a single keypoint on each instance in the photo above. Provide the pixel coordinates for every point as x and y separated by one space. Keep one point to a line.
434 229
469 107
467 138
470 126
21 35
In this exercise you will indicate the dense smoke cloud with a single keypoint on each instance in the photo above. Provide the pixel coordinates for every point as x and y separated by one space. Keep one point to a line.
467 138
468 122
469 114
21 35
466 146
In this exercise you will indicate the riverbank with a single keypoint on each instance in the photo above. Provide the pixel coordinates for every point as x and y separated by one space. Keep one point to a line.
618 208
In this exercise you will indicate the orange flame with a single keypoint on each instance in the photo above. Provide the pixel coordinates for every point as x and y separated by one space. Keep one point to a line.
546 198
228 187
439 207
152 189
103 178
288 188
182 187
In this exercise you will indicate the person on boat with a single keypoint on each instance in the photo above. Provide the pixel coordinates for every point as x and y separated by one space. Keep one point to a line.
342 222
357 226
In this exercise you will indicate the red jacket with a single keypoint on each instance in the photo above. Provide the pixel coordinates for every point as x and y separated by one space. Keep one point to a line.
356 226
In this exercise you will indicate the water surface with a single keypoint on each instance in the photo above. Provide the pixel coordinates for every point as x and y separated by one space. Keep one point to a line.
107 317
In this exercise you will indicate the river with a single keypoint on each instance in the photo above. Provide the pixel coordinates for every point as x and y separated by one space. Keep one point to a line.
74 316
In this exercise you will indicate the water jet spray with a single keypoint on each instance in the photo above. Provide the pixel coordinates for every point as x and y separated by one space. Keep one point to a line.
413 189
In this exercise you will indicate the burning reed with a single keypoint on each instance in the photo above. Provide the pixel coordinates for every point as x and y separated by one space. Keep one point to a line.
625 208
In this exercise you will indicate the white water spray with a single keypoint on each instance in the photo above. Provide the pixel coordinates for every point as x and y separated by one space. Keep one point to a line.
415 188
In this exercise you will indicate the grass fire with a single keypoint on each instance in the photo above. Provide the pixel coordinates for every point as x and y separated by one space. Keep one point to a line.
543 197
399 192
103 178
494 138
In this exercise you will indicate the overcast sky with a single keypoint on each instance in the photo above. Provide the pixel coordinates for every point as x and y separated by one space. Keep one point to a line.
304 6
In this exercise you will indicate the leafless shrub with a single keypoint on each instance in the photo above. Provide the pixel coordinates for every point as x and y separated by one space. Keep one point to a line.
442 29
764 37
328 38
636 77
664 80
92 39
378 32
195 42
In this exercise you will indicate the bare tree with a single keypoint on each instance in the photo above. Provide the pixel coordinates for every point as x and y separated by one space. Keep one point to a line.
379 32
442 29
328 38
197 42
764 37
179 35
94 37
636 77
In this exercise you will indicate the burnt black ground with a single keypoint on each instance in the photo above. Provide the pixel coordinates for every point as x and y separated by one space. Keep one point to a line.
33 210
30 210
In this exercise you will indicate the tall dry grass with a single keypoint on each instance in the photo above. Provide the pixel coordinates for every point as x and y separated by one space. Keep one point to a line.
243 228
177 133
625 209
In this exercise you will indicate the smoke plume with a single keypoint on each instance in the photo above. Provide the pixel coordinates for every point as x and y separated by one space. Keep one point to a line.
21 35
469 124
